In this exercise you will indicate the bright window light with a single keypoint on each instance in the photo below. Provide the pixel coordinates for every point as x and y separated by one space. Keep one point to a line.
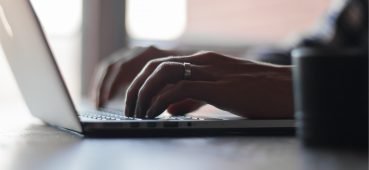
156 19
60 18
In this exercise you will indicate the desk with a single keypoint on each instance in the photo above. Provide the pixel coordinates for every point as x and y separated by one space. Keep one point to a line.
27 144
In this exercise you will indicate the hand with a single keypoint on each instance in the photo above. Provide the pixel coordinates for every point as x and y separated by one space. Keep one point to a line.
118 71
243 87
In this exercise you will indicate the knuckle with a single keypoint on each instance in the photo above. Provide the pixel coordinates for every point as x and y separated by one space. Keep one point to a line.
111 62
130 92
164 66
106 63
151 47
205 53
151 65
106 66
121 64
111 69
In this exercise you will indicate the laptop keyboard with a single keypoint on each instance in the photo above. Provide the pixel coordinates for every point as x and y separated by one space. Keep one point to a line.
116 115
101 115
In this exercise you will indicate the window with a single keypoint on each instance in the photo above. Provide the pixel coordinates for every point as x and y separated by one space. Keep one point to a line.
262 21
156 20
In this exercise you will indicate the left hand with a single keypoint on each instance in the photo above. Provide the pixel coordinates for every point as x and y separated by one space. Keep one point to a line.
243 87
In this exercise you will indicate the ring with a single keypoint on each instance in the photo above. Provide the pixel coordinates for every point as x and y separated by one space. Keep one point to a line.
187 71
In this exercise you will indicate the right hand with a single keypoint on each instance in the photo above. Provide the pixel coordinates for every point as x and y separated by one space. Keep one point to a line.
243 87
118 71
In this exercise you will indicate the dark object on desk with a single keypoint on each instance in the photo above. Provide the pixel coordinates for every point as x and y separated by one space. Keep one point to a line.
331 96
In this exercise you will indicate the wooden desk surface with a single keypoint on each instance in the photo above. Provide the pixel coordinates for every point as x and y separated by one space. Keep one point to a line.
27 144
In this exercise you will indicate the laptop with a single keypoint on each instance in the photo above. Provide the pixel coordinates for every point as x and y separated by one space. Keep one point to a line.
45 93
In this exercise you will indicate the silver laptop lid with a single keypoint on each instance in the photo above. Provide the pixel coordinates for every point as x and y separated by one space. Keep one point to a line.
33 65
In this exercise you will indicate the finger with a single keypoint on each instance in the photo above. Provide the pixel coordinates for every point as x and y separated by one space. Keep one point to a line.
131 93
133 89
200 58
116 80
101 85
121 60
165 74
196 90
108 83
185 106
166 70
103 74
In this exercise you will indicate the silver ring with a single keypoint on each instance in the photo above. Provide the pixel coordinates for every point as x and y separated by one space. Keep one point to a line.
187 71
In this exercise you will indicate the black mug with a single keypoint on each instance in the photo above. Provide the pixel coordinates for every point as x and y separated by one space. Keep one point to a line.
331 96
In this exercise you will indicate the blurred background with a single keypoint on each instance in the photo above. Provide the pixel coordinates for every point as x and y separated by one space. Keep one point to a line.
83 32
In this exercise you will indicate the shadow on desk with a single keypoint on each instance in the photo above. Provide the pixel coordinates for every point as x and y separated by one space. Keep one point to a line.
41 147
